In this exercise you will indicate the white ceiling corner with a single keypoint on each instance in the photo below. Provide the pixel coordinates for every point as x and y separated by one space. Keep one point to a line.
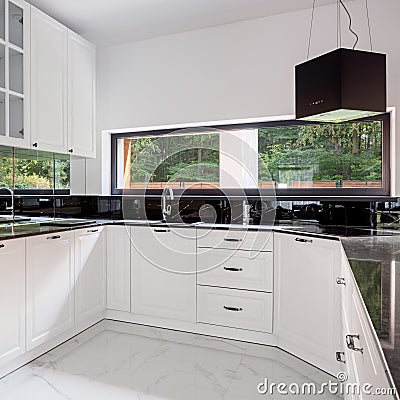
107 22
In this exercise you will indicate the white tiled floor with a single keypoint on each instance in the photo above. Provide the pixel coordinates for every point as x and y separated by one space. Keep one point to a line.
140 363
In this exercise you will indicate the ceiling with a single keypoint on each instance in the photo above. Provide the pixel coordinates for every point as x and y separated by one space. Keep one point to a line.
106 22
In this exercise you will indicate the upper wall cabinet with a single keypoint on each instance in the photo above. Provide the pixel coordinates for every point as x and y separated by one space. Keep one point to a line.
81 96
62 88
49 52
14 73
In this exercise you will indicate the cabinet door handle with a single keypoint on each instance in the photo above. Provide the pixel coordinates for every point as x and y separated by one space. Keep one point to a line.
162 230
2 246
341 281
71 151
340 357
236 309
233 269
350 343
53 237
301 240
232 240
92 230
34 145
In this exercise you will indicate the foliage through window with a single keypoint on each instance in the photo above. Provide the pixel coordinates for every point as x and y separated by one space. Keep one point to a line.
347 155
181 161
33 170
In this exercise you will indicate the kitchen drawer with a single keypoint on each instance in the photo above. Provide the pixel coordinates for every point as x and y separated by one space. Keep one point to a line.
235 308
235 239
236 269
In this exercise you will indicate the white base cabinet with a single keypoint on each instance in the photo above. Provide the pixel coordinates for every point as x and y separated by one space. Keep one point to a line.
243 309
90 274
12 299
364 359
118 268
49 286
164 272
307 298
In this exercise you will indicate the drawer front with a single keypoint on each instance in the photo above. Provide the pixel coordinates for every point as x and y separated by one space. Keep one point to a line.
235 308
236 269
171 249
235 239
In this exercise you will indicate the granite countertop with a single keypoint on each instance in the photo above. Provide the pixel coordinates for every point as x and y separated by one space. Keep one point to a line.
36 227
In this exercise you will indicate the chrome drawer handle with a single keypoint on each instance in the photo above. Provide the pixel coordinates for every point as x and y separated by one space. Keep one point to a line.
92 230
2 246
232 269
350 343
232 240
53 237
233 308
301 240
162 230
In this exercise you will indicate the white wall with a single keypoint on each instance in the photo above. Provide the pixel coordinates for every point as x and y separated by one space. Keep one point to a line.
236 71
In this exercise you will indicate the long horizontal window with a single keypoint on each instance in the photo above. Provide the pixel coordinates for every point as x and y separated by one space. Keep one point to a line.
290 158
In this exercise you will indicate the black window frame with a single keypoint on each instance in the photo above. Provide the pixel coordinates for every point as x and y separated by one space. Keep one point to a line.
293 193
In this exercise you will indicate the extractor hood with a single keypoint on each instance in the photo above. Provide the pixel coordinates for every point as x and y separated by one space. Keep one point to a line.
340 86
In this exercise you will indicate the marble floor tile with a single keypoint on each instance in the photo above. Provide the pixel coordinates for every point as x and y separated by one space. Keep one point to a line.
116 365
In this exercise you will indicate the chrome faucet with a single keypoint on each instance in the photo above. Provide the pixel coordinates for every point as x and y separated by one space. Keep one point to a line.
166 209
10 208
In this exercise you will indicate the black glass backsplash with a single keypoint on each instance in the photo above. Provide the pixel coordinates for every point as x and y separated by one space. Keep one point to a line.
219 210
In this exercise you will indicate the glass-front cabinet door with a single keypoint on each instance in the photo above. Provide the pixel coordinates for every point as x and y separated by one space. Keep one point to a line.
14 73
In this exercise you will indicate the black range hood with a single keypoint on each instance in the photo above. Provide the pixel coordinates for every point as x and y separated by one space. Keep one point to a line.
340 86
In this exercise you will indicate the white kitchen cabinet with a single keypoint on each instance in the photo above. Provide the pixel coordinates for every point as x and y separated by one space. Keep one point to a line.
62 88
244 309
81 96
118 268
49 286
235 239
15 74
307 298
164 272
49 80
12 299
90 274
363 356
238 269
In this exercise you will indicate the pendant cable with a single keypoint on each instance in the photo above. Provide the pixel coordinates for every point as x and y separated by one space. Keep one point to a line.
311 26
338 26
350 24
369 25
